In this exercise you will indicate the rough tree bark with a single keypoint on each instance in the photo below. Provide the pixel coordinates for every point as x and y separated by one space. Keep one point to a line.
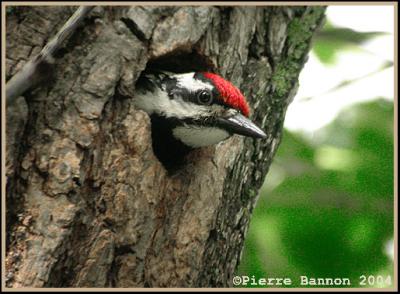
88 203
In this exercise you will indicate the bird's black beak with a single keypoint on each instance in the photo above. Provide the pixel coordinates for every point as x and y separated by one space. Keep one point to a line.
241 125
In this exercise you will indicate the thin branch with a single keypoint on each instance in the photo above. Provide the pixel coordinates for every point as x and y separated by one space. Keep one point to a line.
28 76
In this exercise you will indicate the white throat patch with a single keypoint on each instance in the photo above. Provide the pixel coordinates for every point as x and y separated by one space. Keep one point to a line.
198 137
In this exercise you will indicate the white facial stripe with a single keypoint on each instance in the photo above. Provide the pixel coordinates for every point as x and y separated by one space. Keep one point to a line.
188 81
198 137
160 103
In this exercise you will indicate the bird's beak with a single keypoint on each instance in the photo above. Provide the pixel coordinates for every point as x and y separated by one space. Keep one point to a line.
241 125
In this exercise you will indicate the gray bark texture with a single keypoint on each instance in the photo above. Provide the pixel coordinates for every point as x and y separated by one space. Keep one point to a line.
88 202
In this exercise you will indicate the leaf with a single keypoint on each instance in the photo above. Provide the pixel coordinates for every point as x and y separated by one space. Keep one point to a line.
331 40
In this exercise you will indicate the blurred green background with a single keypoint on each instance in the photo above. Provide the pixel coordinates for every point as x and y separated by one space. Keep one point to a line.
326 208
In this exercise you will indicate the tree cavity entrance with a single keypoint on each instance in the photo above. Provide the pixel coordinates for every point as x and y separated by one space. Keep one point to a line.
169 151
181 62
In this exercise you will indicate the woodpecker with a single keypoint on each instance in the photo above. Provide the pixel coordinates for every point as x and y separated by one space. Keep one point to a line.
192 110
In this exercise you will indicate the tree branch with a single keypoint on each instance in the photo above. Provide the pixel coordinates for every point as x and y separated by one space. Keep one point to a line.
29 75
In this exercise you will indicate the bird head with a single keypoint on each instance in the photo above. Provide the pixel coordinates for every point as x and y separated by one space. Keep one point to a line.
200 108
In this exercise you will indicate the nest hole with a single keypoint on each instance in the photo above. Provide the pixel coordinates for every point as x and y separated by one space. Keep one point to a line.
181 62
169 151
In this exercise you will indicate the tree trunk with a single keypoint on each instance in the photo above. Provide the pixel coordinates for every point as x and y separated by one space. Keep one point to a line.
88 202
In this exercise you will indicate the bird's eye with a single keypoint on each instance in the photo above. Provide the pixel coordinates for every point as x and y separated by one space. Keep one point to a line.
204 97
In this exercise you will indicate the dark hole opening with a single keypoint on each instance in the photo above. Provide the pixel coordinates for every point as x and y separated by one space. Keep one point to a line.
181 62
169 151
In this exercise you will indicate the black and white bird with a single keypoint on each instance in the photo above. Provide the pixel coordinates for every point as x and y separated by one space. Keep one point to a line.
192 110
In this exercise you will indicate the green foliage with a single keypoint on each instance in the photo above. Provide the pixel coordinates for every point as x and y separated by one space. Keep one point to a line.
326 209
332 40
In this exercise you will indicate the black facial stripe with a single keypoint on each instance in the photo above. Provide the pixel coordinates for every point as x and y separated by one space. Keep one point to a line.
173 90
145 84
148 81
170 85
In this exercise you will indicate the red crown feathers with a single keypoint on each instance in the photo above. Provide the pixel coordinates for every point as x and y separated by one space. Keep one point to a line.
229 93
